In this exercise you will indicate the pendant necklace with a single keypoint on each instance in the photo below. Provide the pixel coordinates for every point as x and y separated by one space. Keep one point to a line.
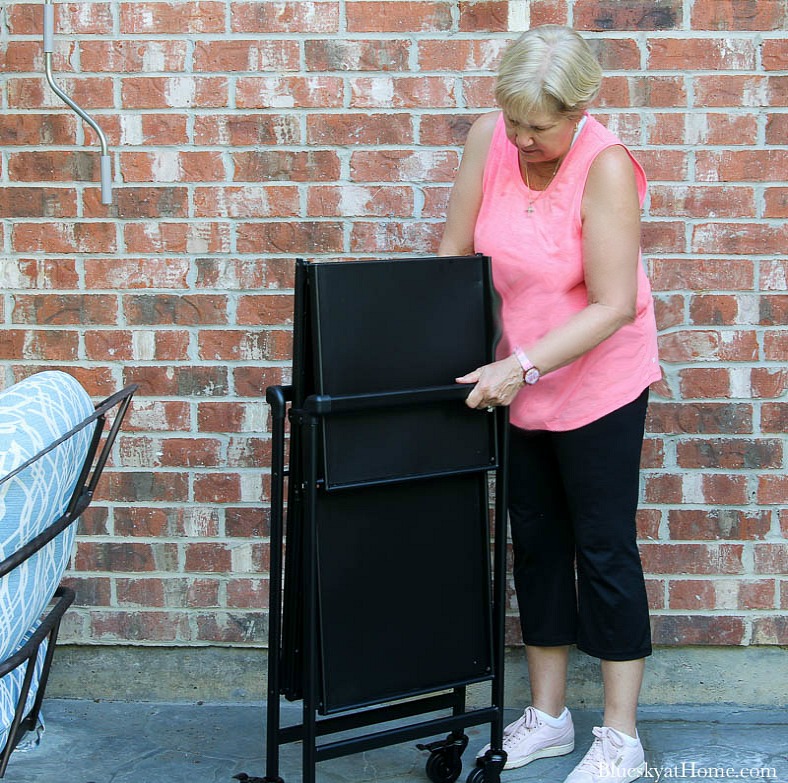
531 200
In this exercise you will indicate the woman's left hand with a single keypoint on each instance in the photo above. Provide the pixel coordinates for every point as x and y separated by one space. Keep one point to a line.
496 383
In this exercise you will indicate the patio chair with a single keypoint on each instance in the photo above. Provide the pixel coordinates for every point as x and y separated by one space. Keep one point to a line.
52 452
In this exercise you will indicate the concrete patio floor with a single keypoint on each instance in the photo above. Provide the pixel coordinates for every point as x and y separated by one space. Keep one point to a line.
125 742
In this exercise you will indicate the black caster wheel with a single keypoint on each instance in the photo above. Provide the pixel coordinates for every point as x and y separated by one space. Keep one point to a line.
444 765
476 775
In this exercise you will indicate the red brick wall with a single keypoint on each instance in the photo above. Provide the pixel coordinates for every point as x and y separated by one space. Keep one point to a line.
246 133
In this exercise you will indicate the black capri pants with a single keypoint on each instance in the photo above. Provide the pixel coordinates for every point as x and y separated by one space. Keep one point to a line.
572 505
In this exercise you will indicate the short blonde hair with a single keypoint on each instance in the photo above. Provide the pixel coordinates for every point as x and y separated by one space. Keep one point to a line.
547 69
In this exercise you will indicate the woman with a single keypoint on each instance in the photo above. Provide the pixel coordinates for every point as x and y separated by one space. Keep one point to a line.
554 198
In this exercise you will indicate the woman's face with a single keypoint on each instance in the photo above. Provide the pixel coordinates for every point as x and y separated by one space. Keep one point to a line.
540 137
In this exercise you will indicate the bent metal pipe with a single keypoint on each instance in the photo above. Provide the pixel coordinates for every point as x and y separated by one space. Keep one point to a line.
106 164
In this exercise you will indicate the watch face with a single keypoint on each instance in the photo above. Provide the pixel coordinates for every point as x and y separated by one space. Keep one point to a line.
531 376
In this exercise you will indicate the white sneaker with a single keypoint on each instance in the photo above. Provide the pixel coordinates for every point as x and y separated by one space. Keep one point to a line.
530 738
611 759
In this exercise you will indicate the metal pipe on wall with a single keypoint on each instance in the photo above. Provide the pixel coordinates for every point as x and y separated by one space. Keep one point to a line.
106 162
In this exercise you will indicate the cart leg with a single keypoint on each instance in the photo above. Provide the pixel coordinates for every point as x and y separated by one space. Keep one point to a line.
489 768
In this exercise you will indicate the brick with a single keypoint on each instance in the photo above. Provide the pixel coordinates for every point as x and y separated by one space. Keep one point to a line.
148 309
664 165
436 201
773 310
770 630
484 16
708 345
219 488
288 92
653 453
233 274
157 415
701 201
614 54
133 56
776 203
722 128
134 486
416 237
139 625
40 274
158 522
704 418
64 237
721 523
669 310
702 274
64 309
757 594
248 593
738 238
139 592
663 236
240 345
735 90
352 128
701 54
741 165
70 19
191 592
247 202
357 55
773 275
91 591
252 381
370 16
277 165
673 558
125 556
773 54
730 453
403 165
768 382
776 128
479 92
648 521
155 202
243 130
459 55
90 92
152 129
704 382
247 522
738 15
32 128
251 56
22 56
193 17
246 452
724 309
691 594
671 630
174 92
179 381
771 558
211 557
264 310
655 591
162 237
168 165
301 238
292 16
774 417
772 490
58 166
356 200
232 627
232 417
444 130
22 202
627 14
380 92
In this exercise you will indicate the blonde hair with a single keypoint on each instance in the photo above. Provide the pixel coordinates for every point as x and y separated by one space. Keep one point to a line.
547 69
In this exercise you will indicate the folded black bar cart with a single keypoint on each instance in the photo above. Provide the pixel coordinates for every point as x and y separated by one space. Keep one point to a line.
385 602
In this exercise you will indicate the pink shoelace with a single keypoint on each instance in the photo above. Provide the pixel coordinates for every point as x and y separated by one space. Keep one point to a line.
605 751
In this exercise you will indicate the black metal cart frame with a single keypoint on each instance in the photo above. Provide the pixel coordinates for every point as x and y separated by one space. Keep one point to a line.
92 468
444 762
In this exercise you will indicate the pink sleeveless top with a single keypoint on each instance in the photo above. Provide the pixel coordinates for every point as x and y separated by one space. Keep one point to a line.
537 262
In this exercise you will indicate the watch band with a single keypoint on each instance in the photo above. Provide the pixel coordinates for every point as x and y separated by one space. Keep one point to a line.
530 372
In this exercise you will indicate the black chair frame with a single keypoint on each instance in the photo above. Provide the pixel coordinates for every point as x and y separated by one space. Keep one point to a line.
92 468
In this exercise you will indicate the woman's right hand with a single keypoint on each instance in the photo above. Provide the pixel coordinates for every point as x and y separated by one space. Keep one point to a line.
496 383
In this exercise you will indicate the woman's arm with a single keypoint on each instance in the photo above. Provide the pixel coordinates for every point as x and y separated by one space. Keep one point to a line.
466 193
611 244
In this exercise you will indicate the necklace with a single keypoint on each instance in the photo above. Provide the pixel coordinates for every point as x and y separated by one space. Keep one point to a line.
531 200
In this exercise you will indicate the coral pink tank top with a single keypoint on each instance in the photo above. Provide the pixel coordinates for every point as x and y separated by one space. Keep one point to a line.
537 262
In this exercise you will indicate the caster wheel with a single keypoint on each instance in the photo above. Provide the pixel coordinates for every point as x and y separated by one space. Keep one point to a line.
484 774
444 766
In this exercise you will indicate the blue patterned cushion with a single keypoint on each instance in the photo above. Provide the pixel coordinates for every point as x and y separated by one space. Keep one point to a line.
33 414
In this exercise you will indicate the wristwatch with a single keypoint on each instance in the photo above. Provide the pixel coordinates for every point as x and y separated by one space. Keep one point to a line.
531 374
